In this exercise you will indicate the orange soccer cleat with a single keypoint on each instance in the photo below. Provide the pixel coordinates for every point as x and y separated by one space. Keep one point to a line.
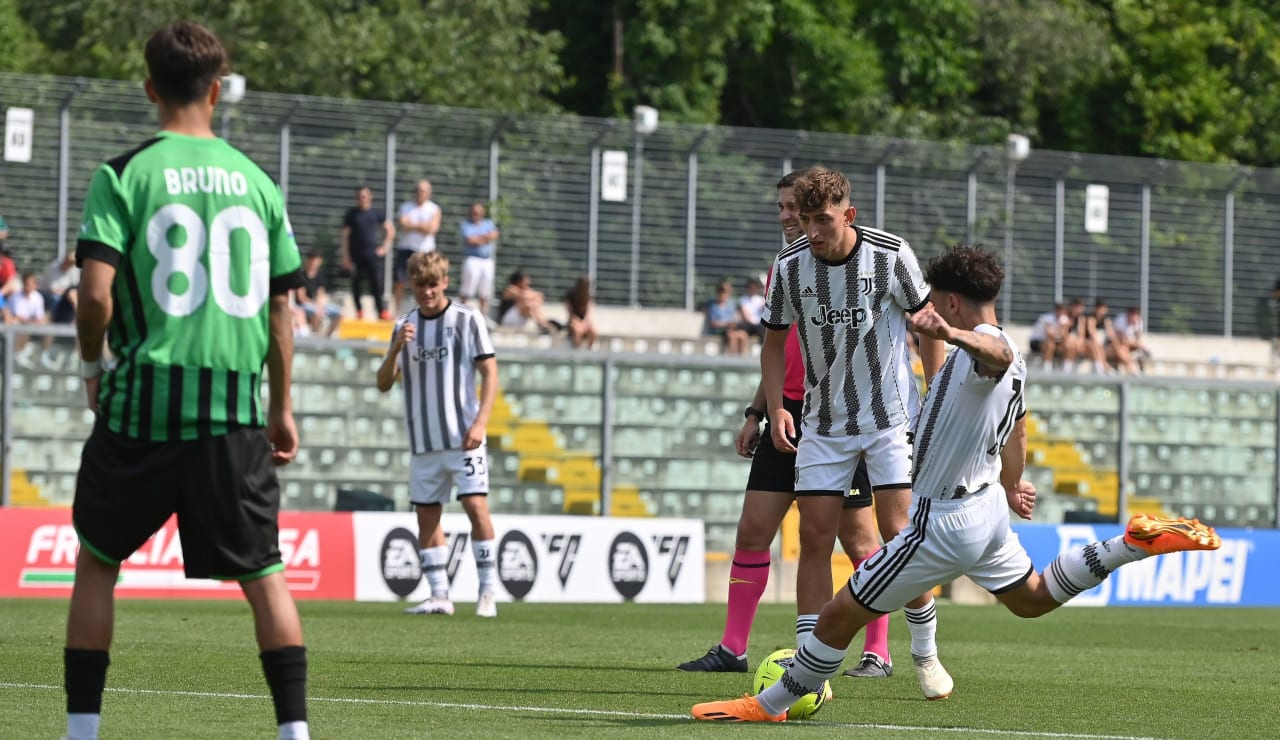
1157 535
746 709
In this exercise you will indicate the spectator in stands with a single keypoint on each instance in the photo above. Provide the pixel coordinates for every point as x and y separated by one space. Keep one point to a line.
10 282
1048 333
522 307
479 240
1130 352
58 285
1073 345
321 316
1098 332
363 249
1268 311
722 320
4 230
27 307
750 309
419 223
580 309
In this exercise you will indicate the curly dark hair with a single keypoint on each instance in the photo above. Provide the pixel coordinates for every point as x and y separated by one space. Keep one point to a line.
967 270
820 187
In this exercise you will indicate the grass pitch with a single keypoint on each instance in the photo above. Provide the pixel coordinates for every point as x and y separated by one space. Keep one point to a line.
186 669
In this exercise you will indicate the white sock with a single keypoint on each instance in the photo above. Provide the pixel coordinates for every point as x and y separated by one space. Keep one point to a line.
294 731
434 562
923 624
83 726
1085 567
486 562
804 627
814 663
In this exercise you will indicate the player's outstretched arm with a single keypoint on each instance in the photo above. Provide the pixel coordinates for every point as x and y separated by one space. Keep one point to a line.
992 353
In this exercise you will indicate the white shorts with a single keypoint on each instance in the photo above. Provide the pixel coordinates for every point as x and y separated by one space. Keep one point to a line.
945 540
825 465
477 278
432 475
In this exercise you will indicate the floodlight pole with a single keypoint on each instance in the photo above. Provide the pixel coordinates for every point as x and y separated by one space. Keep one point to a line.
1016 150
593 208
881 165
691 218
389 197
64 176
285 144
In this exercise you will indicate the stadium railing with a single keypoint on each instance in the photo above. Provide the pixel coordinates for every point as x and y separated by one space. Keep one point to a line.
654 434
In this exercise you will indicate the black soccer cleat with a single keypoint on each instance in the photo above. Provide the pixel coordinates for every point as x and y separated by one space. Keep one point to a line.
717 660
871 666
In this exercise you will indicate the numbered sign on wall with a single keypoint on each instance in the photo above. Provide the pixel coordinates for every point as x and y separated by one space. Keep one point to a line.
18 123
1095 208
613 176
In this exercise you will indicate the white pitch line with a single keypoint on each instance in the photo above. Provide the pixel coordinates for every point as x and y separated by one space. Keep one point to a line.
590 712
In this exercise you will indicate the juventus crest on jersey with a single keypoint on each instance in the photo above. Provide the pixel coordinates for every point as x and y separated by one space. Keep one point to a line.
966 422
438 371
852 324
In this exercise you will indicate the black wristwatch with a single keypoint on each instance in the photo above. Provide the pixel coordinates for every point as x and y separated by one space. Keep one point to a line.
753 411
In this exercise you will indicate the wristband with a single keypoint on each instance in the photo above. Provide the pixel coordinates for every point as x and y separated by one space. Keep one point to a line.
752 411
90 368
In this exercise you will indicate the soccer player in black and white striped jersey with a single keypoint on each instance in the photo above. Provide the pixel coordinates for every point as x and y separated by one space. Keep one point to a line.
971 446
438 349
849 290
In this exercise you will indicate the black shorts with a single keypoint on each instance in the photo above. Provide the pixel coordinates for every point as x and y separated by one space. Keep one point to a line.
400 266
772 470
223 489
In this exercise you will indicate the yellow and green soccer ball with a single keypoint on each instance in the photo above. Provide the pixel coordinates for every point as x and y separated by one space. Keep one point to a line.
768 673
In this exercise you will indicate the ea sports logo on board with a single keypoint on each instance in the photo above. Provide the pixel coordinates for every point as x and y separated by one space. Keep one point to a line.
401 568
628 565
517 564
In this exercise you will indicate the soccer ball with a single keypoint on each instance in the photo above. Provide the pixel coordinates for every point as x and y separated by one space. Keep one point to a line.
768 673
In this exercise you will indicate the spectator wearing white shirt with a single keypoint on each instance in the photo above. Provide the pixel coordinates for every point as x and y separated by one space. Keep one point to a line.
419 224
751 308
27 307
1129 350
59 285
1048 332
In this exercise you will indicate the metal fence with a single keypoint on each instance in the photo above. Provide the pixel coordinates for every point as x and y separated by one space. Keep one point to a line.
1192 245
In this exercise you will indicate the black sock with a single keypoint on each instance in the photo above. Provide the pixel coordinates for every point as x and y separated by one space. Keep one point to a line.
286 671
85 675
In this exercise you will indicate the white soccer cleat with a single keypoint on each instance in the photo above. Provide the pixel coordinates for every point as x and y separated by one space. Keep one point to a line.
432 605
934 679
487 605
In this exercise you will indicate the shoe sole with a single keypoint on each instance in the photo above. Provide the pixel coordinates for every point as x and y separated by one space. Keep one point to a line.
1146 532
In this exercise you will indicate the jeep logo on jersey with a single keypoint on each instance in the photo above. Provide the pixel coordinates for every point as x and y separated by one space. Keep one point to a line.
676 547
567 545
517 564
457 548
826 316
401 568
628 565
439 354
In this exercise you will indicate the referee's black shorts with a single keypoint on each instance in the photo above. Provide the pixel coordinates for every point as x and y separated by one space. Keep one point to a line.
772 470
223 489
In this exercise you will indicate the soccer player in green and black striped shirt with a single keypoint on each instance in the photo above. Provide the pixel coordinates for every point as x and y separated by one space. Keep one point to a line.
187 258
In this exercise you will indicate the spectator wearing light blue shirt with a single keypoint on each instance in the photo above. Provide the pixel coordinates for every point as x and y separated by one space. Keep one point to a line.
479 238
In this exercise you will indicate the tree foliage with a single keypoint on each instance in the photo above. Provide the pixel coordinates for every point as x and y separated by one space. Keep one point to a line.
1196 79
